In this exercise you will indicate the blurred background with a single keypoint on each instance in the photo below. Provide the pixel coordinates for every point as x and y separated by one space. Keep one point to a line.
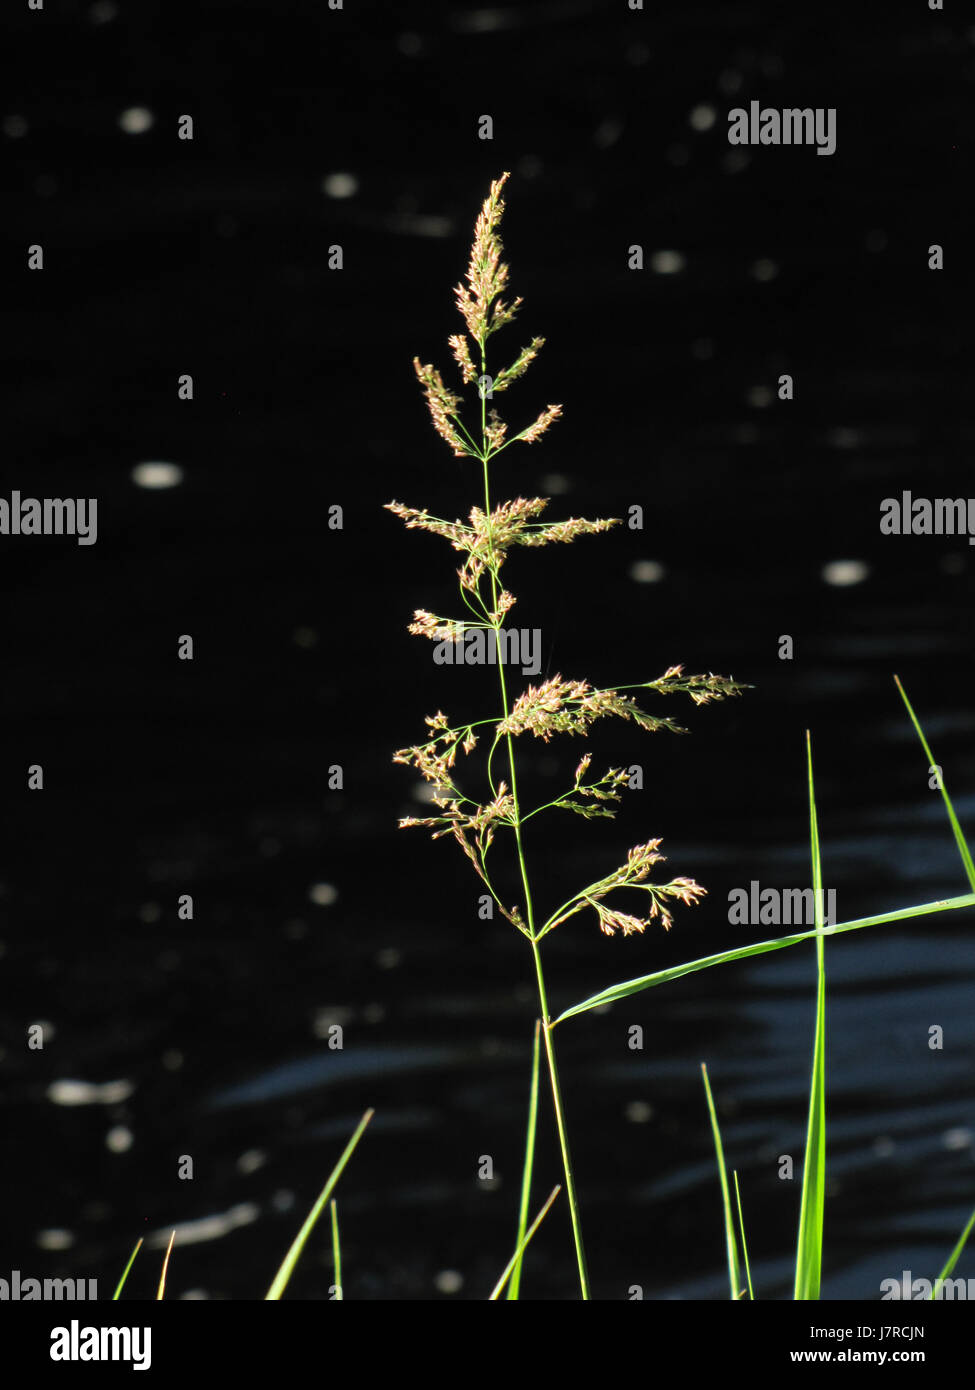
358 127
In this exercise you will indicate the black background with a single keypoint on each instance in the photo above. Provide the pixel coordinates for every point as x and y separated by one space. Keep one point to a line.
210 777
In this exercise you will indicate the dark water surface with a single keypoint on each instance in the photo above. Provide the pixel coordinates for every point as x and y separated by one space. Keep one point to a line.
209 1037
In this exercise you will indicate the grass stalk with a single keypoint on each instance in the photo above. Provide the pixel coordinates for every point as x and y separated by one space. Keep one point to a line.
522 1246
516 823
526 1175
283 1276
560 1123
125 1272
809 1252
165 1266
744 1242
734 1270
953 1258
960 841
336 1250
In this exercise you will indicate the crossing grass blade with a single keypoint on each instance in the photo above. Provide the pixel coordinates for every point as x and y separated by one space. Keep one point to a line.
661 977
744 1242
734 1269
522 1246
125 1272
284 1274
966 859
526 1176
960 841
809 1253
953 1258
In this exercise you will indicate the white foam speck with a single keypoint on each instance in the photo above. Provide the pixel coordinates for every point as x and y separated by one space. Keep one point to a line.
842 573
156 474
136 120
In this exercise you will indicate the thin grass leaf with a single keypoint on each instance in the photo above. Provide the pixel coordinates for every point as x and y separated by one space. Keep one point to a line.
960 841
953 1258
526 1174
523 1246
809 1251
662 977
969 866
162 1278
125 1271
734 1269
284 1274
336 1250
744 1242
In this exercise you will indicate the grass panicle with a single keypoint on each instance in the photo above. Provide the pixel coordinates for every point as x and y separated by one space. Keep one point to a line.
558 706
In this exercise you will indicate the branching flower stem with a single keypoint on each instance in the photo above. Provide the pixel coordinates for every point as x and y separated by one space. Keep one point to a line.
546 1020
556 706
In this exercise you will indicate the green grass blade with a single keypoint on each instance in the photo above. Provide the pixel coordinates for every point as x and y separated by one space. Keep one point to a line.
661 977
526 1174
960 841
165 1266
336 1250
744 1242
125 1271
734 1269
291 1259
809 1252
953 1258
522 1246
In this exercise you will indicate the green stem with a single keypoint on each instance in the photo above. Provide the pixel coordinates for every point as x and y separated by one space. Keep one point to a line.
529 906
553 1072
526 1174
336 1251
